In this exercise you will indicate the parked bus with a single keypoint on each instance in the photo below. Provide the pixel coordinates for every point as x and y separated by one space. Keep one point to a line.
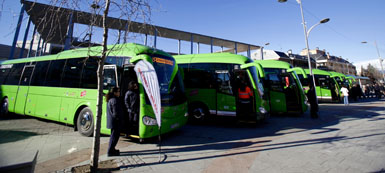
63 87
327 87
341 79
286 94
212 86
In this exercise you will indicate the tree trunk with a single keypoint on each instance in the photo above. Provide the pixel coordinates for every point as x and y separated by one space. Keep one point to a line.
99 105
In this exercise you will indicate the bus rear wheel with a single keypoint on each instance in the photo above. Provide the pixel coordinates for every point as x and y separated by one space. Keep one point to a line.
85 122
4 107
198 113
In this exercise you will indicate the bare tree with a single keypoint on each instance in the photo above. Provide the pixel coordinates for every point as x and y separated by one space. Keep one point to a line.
51 24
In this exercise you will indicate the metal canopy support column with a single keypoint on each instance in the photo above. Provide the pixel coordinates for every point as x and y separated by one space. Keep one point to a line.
25 38
38 46
145 39
42 48
45 47
211 44
17 32
119 33
31 44
248 51
192 44
125 34
155 37
235 48
198 48
221 48
179 47
70 29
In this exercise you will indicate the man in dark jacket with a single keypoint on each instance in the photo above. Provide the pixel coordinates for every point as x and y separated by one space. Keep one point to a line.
131 100
311 95
115 114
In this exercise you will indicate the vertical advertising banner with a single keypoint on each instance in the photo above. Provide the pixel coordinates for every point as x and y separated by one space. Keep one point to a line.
147 75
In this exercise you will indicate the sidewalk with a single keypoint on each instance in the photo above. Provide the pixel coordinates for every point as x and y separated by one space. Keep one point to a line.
221 148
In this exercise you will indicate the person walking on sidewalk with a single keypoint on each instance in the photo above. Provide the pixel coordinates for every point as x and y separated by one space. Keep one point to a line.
345 93
115 114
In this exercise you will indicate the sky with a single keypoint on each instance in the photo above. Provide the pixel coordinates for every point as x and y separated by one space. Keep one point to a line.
259 22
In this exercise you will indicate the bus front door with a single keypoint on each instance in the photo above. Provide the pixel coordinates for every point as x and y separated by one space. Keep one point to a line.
22 91
293 103
226 104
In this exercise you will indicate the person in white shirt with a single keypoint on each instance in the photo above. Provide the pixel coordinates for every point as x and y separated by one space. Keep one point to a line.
345 92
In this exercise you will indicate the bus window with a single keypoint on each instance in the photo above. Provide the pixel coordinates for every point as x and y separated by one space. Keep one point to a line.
54 73
275 82
39 73
89 75
72 73
14 75
223 82
324 83
109 76
4 70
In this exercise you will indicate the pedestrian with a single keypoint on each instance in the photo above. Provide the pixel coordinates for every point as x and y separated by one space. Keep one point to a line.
245 96
131 100
345 93
114 119
311 95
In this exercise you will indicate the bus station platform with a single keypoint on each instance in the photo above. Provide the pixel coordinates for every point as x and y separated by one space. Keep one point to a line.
344 139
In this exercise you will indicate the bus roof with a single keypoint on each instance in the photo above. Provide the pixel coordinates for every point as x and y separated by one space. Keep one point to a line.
316 71
127 50
336 73
212 58
273 64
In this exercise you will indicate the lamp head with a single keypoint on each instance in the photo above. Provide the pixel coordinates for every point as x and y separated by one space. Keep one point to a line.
324 20
282 1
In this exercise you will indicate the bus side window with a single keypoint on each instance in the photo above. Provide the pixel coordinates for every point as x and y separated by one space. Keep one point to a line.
109 76
224 85
14 75
72 73
3 74
39 73
89 76
54 73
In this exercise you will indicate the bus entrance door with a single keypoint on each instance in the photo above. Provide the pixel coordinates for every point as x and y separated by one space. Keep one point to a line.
225 95
293 103
22 92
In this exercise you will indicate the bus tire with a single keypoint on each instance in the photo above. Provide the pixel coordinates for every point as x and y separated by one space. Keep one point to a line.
4 107
85 122
198 112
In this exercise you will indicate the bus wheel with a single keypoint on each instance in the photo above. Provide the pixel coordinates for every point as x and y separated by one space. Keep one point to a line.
85 123
198 113
4 107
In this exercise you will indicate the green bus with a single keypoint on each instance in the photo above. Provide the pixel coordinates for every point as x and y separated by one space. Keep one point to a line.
341 79
285 91
63 87
212 82
327 87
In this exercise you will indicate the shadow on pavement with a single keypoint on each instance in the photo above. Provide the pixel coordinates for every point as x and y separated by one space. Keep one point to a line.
14 135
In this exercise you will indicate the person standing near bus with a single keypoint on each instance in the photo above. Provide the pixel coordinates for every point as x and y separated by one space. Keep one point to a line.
345 92
131 100
114 119
312 99
245 96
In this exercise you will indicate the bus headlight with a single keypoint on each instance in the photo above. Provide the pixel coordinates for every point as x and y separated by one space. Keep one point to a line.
149 121
262 110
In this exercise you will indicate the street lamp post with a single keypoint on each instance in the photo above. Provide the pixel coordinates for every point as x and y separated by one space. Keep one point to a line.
380 59
306 33
261 49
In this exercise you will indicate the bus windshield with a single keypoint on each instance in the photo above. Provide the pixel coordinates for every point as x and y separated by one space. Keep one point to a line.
254 74
171 89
